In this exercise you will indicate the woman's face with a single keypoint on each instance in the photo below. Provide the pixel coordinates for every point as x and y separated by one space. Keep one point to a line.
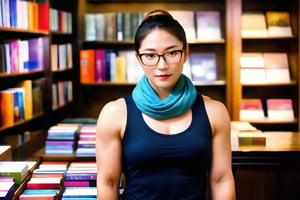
162 76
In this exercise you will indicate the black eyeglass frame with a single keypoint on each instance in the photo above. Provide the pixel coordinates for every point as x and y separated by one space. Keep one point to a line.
160 55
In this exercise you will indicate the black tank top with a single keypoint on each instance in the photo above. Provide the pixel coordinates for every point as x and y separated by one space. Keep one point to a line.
166 167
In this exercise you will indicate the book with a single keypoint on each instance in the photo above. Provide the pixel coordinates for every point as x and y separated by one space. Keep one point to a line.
244 133
256 137
187 20
251 109
44 183
14 55
36 53
277 67
23 55
280 109
253 25
18 103
28 98
54 57
43 15
7 189
252 68
38 197
110 26
80 192
87 65
6 13
7 107
279 23
96 29
13 13
133 70
208 25
100 65
18 170
203 66
22 12
62 56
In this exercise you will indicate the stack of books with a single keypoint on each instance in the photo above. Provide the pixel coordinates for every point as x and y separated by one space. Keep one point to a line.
62 139
46 181
7 187
80 181
19 170
243 133
86 144
81 174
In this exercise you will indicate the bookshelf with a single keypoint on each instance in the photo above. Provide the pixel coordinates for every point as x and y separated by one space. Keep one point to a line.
36 69
266 44
95 94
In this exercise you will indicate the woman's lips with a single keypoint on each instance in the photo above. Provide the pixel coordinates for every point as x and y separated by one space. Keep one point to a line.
163 76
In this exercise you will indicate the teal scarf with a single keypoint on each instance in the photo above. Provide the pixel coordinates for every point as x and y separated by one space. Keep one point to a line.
179 101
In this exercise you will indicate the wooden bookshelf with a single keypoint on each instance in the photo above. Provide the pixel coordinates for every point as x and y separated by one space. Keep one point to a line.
288 44
94 95
48 117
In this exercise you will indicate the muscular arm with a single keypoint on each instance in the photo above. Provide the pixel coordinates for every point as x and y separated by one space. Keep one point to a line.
109 150
221 178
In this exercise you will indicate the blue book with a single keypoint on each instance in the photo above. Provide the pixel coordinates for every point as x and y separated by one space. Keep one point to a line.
40 191
13 13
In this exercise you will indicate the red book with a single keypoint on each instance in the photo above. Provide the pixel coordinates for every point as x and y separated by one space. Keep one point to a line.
87 66
43 12
44 183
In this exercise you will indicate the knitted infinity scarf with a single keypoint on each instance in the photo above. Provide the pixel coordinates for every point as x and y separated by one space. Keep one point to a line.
179 101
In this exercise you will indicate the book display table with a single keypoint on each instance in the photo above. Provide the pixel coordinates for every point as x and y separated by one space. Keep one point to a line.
270 171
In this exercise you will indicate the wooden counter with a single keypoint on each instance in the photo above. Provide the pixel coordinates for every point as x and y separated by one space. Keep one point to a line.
269 172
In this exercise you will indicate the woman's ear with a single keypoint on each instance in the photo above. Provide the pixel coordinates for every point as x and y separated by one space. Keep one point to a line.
186 52
138 58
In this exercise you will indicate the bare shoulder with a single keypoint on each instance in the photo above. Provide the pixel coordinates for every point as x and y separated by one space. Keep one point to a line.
212 105
112 117
217 113
114 108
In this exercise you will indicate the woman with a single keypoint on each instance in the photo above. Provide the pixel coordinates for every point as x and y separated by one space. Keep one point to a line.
169 141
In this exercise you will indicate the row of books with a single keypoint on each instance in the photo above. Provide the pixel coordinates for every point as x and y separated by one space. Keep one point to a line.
62 180
276 109
99 65
22 55
60 21
69 138
61 57
268 24
199 25
34 15
62 93
22 14
22 102
267 67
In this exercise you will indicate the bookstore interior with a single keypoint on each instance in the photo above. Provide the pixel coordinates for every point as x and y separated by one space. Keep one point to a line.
61 61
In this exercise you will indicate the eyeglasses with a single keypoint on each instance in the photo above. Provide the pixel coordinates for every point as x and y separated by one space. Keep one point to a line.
151 59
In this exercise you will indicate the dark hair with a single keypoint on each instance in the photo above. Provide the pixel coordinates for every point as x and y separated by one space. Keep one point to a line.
159 19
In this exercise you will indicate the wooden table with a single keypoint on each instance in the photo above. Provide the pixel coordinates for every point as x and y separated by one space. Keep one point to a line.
271 171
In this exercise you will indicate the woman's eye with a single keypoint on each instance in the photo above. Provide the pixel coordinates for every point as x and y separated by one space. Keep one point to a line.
172 53
150 56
